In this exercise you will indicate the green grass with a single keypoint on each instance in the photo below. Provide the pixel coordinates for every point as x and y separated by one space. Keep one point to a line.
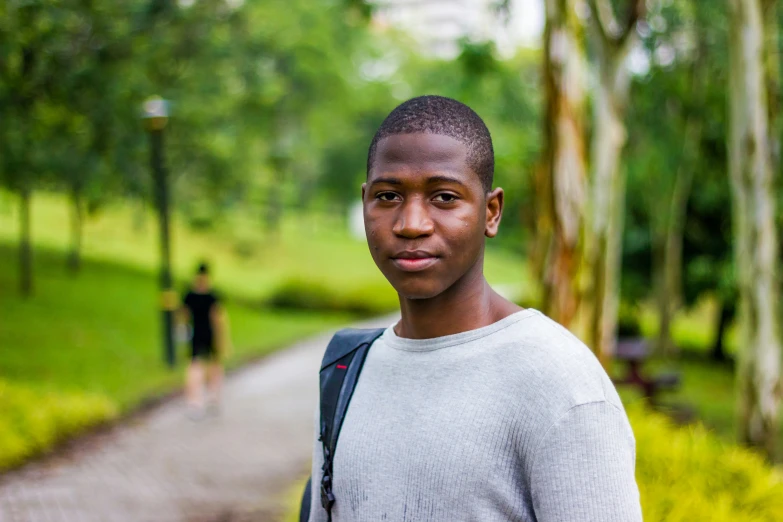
692 329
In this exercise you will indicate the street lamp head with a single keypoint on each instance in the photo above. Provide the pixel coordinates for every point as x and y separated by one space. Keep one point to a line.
155 113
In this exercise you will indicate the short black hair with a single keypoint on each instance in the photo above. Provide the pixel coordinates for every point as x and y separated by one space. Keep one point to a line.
203 269
445 116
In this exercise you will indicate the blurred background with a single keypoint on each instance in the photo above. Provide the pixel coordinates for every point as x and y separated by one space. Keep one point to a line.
638 142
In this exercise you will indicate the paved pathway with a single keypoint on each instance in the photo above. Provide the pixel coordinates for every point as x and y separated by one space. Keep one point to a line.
162 467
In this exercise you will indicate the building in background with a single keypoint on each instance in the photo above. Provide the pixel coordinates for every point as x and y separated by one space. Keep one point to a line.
438 25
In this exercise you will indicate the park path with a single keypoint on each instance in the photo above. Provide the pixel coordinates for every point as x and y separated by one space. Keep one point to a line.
162 467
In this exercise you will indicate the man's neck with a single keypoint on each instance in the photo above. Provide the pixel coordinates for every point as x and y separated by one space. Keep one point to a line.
468 304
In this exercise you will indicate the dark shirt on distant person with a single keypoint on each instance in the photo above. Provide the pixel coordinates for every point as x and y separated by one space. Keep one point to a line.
200 307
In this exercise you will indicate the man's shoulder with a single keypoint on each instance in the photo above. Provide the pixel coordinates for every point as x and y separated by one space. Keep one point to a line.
545 361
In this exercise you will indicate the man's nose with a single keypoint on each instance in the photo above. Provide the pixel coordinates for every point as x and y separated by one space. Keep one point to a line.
413 220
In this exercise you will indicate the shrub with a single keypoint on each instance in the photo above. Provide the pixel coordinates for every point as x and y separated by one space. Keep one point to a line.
32 420
302 294
687 474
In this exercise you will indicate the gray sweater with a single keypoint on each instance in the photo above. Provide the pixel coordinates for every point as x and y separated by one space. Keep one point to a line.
513 421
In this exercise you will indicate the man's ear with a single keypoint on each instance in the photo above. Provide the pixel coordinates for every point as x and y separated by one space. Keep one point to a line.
364 189
494 212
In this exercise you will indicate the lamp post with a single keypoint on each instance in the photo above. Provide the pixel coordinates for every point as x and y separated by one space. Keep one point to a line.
156 116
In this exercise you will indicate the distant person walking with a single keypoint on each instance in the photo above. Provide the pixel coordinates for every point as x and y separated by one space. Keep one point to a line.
203 310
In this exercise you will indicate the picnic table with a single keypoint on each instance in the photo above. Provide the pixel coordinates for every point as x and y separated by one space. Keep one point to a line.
634 353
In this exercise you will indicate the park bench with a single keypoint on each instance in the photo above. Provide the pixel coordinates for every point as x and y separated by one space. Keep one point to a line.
633 353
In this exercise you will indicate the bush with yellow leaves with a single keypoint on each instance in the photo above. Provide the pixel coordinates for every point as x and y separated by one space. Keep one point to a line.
33 419
688 474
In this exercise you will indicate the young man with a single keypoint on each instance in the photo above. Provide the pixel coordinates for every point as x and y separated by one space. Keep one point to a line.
202 308
470 408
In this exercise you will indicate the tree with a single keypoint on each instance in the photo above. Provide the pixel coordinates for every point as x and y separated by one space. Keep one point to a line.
673 103
89 96
31 41
676 241
752 147
612 43
562 179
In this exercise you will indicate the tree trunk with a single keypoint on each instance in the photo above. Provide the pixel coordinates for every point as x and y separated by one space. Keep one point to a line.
660 289
77 222
562 186
603 230
750 149
607 201
670 291
772 77
25 243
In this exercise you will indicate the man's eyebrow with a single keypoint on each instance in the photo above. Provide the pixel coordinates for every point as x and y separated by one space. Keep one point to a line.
390 181
430 180
444 179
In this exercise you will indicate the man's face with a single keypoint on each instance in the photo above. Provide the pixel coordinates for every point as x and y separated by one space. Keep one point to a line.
426 213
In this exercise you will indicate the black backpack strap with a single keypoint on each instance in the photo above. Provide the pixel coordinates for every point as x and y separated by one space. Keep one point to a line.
340 369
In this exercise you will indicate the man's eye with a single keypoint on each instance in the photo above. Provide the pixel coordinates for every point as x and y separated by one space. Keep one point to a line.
445 198
386 196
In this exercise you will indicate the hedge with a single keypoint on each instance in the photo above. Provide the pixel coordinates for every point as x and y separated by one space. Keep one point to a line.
310 294
687 474
33 419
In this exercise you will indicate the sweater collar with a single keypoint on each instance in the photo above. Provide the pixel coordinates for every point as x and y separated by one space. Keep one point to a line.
436 343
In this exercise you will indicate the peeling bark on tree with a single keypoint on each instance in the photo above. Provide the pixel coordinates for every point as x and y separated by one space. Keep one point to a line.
562 180
607 192
752 149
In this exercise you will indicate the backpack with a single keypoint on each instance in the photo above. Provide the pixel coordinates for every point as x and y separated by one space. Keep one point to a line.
340 368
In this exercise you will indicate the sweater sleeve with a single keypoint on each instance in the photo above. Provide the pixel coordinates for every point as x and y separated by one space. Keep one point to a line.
583 469
317 512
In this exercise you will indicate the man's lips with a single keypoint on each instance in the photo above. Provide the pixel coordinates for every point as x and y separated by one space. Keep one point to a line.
414 261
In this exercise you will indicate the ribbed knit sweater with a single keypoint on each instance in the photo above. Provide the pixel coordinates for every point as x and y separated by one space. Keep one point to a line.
515 421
